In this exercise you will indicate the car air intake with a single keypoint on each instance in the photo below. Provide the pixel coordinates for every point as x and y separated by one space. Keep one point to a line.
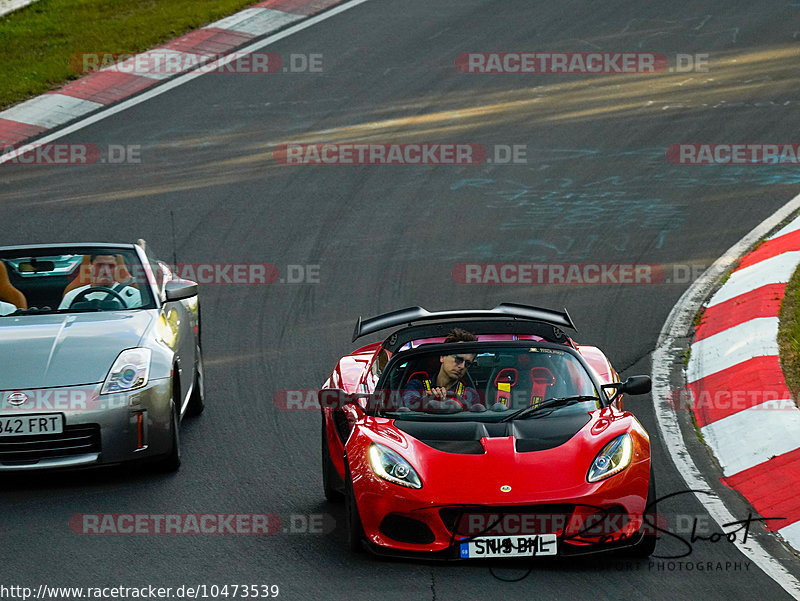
406 530
75 440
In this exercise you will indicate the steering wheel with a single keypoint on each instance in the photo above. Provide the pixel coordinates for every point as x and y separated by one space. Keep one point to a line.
81 296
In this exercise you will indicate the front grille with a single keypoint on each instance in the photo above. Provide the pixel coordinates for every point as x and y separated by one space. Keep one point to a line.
476 520
75 440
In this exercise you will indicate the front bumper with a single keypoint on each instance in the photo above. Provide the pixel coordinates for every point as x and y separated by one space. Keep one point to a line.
98 429
403 522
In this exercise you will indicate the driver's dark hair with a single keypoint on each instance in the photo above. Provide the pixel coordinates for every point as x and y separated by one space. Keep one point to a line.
459 335
94 255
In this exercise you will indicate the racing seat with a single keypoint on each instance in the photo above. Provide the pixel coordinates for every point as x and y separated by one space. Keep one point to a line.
542 381
500 386
510 386
8 293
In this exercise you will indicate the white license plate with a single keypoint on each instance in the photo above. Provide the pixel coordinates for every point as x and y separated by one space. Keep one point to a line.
28 425
531 545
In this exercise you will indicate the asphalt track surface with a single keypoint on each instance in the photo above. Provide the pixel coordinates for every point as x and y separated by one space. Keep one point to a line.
596 188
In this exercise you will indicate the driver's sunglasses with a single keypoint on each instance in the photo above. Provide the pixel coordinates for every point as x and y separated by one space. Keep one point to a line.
460 360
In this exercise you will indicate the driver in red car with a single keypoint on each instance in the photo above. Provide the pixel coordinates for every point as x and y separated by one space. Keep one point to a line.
449 384
102 275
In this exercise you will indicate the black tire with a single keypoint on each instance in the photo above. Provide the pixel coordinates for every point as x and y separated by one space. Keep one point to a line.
647 543
352 519
196 402
329 476
171 462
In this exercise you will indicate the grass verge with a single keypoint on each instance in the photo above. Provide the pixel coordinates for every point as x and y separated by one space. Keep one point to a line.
789 334
36 42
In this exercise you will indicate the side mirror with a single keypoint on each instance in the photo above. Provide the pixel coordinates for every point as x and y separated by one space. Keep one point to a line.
333 398
633 385
637 385
176 290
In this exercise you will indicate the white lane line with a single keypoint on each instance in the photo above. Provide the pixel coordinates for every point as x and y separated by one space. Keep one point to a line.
746 438
255 21
775 270
668 352
49 110
179 81
754 338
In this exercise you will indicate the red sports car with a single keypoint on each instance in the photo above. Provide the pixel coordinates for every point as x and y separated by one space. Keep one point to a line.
481 434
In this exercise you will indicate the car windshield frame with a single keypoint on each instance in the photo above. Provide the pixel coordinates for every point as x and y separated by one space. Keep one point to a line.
401 357
72 254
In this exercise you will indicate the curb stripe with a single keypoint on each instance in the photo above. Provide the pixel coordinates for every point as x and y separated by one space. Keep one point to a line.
255 21
762 302
49 110
106 87
752 436
772 496
792 226
209 40
667 356
754 338
153 63
791 534
772 248
13 132
775 270
298 7
95 90
738 388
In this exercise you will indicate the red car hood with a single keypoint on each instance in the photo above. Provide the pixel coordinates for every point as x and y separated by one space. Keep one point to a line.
540 460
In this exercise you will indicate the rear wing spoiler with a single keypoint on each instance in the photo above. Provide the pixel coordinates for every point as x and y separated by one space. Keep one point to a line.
511 311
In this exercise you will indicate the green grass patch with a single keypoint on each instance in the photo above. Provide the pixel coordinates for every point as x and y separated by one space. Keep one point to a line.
789 334
696 427
36 42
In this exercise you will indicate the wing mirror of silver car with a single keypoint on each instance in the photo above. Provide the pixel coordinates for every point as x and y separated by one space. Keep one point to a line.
176 290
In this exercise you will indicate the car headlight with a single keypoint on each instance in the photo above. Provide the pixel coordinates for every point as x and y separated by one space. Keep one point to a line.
392 467
612 458
129 372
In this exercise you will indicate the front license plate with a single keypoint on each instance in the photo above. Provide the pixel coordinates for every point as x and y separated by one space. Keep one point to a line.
532 545
29 425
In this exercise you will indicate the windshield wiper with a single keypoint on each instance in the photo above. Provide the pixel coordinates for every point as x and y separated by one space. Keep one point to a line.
566 400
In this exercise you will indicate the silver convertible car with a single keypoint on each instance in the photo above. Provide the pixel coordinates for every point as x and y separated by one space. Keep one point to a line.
100 356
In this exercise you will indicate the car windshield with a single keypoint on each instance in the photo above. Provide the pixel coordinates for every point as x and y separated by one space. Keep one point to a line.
486 383
72 281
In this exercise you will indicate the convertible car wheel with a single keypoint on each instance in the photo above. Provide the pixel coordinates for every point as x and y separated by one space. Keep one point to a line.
172 461
197 400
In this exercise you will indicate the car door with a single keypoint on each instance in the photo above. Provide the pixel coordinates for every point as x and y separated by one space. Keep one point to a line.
180 324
